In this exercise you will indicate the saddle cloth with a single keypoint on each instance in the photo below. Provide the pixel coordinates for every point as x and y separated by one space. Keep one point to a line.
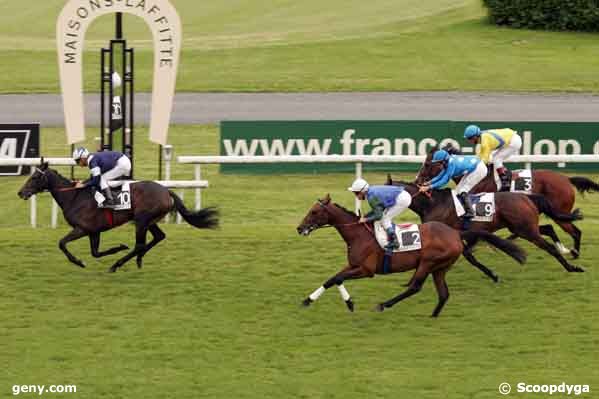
408 236
521 181
122 196
483 204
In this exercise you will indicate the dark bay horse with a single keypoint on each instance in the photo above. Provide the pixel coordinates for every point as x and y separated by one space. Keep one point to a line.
556 187
441 248
519 213
150 203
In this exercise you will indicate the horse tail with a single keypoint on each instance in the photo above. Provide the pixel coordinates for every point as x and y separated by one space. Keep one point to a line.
206 218
544 206
507 247
583 184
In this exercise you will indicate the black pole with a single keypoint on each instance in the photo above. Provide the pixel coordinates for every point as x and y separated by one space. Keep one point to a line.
119 25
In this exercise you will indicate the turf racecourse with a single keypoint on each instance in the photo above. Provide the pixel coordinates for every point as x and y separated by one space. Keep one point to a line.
215 314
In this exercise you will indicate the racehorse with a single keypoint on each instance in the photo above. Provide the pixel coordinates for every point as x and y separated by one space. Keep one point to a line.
517 212
150 203
441 248
556 187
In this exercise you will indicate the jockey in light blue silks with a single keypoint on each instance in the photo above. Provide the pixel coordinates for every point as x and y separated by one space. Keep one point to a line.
469 167
386 203
104 166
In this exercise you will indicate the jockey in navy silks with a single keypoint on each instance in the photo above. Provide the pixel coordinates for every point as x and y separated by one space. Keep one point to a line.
386 203
104 166
469 167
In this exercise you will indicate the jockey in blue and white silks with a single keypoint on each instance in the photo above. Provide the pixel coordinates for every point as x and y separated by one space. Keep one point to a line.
386 203
469 167
104 166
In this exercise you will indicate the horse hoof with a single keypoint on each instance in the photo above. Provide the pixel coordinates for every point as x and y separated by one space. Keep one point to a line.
306 302
575 254
495 278
577 269
379 308
112 270
139 263
123 247
350 304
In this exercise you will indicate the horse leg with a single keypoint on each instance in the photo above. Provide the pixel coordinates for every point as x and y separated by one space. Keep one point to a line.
347 273
551 249
415 285
94 243
140 244
467 252
575 233
157 236
73 235
549 231
442 290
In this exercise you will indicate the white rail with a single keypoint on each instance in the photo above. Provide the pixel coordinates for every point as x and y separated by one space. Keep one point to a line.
360 159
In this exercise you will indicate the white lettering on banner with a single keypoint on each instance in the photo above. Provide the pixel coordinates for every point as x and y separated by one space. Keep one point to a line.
424 144
538 148
8 149
382 146
346 141
447 141
410 143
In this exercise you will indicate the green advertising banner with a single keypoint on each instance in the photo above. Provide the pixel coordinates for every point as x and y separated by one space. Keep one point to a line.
390 138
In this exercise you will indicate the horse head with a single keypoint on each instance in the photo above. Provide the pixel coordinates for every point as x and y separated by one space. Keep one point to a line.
317 216
428 170
36 183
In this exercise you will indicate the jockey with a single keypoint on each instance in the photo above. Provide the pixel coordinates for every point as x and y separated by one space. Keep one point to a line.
104 167
469 167
386 203
496 146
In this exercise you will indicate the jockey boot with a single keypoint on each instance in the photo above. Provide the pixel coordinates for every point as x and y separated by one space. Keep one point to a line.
109 198
506 178
467 205
392 238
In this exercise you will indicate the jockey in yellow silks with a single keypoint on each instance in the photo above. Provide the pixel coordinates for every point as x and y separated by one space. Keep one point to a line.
496 146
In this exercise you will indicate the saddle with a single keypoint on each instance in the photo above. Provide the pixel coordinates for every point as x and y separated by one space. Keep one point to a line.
122 196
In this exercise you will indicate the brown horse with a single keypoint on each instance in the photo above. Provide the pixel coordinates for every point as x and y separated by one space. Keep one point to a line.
441 248
556 187
519 213
150 203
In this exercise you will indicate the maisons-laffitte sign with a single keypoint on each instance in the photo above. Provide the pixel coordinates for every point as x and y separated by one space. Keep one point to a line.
165 24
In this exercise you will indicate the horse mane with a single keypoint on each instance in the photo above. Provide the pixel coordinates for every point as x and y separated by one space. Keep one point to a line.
452 150
345 209
61 179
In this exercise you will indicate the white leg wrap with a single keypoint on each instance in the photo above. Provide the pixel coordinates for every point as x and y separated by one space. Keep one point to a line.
343 292
562 248
316 294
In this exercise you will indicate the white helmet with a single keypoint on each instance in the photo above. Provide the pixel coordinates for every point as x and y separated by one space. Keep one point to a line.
79 153
359 185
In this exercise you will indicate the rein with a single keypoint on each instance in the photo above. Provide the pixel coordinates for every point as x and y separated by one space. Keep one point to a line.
341 224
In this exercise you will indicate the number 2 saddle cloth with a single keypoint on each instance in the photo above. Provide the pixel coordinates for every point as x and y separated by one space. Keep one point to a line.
408 236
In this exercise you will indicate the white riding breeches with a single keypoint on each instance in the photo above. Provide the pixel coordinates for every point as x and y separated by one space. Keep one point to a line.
502 154
402 202
122 168
472 179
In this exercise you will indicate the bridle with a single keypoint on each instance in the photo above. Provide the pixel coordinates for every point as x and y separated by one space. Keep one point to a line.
314 227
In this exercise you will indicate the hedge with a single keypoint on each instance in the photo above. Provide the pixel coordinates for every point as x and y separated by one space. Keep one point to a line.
577 15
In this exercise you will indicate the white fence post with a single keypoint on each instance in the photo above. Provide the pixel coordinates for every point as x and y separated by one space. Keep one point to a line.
54 213
198 175
358 176
33 205
181 194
